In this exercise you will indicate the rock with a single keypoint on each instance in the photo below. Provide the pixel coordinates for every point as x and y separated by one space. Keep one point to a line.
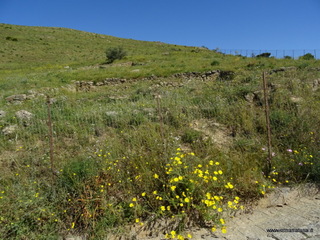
296 99
24 115
2 114
16 98
9 130
112 113
249 97
315 84
31 96
32 92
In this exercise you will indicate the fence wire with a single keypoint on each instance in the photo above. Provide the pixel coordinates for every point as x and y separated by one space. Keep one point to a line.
295 54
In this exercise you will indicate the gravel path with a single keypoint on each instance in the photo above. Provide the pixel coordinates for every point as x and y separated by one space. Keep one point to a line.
293 212
288 213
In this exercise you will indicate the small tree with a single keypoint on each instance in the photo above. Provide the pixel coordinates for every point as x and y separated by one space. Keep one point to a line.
114 53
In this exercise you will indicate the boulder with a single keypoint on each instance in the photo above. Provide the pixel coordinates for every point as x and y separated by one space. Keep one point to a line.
9 130
250 97
316 84
16 98
24 115
2 114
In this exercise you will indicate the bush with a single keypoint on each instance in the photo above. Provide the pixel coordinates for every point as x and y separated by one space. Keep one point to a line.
115 53
11 39
191 136
307 56
215 63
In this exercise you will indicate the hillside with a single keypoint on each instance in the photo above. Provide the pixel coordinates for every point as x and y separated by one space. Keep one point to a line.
167 132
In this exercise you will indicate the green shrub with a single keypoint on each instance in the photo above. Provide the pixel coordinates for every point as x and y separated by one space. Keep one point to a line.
307 56
11 39
191 136
115 53
215 63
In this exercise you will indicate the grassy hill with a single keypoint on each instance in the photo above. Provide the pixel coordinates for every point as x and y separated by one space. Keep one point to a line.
166 132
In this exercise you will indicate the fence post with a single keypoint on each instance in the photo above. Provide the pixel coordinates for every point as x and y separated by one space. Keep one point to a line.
266 108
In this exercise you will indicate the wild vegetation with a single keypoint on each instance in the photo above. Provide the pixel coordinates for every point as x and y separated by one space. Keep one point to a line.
174 132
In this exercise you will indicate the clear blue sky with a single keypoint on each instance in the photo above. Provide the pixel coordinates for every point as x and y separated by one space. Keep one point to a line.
224 24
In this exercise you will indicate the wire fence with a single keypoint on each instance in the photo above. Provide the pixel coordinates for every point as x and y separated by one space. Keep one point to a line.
295 54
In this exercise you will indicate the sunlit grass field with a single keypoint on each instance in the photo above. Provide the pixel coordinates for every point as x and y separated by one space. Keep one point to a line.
156 145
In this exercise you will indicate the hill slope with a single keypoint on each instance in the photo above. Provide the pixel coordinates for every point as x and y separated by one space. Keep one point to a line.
29 46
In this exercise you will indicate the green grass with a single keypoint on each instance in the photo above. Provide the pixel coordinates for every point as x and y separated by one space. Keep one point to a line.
115 145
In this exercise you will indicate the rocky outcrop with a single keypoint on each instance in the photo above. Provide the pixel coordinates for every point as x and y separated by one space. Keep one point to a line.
210 75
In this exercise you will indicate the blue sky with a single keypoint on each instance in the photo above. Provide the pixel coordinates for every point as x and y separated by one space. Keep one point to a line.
224 24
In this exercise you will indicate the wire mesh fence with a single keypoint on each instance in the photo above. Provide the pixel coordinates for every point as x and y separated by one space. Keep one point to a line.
295 54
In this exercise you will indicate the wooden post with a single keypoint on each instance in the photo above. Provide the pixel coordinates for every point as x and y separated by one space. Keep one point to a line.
266 107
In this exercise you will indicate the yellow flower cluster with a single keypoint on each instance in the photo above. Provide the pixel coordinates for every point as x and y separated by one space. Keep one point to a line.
190 183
